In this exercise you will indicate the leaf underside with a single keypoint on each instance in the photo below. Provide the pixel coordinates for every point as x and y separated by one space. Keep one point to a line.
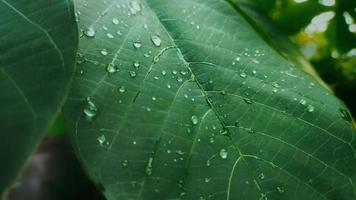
184 100
38 42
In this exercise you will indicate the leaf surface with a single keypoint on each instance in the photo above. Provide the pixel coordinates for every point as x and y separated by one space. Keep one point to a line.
38 44
185 100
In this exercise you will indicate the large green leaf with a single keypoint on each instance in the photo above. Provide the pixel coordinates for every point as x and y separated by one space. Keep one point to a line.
37 54
184 100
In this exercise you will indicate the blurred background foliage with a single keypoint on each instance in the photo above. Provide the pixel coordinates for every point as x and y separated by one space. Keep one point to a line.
323 30
325 33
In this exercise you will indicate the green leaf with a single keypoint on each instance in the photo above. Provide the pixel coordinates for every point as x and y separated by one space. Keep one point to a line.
37 54
185 100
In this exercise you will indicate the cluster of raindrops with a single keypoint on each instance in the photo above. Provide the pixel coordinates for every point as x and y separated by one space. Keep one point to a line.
309 107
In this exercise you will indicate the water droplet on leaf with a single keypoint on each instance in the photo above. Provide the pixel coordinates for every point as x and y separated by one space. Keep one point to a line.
133 74
115 21
223 153
156 40
90 110
243 74
111 68
104 52
137 45
345 115
101 139
310 108
303 102
122 89
280 190
90 32
195 119
109 35
135 7
136 64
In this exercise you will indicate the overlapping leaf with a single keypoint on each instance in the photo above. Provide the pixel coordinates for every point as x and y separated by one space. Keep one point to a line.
184 100
37 51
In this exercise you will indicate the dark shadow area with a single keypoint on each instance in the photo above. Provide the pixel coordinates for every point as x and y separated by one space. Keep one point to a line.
54 173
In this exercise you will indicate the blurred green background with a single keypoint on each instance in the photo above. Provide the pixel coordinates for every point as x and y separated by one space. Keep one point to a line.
323 30
325 33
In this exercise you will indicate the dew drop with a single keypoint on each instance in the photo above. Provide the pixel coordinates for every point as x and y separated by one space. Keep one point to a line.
109 35
136 64
280 190
133 74
115 21
90 110
179 79
122 89
137 45
223 153
111 68
345 115
164 72
104 52
124 163
180 152
276 85
310 108
90 32
156 40
183 73
135 7
194 119
101 139
303 102
243 74
261 176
